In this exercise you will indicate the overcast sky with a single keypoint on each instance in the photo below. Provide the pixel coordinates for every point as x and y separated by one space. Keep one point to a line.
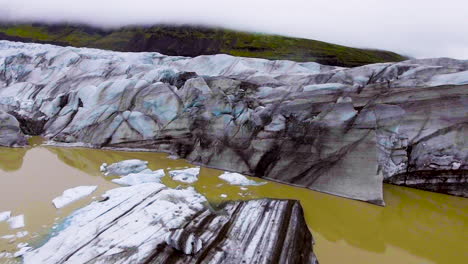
419 28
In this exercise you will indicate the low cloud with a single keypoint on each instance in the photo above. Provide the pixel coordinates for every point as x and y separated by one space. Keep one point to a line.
418 28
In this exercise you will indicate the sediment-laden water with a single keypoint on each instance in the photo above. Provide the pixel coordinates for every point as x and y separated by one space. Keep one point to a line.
414 227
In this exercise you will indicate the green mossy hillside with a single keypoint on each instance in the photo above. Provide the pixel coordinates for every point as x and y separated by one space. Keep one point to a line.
193 41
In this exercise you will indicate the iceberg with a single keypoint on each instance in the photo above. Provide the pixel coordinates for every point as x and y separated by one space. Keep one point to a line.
141 177
73 194
238 179
4 216
16 222
187 175
125 167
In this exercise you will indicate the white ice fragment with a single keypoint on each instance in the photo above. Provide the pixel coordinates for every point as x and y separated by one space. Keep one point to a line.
73 194
4 216
16 222
173 157
187 175
22 234
223 195
8 237
125 167
24 247
141 177
455 166
238 179
5 255
103 167
244 188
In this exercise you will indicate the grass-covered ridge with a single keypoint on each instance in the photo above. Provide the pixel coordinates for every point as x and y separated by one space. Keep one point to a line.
194 41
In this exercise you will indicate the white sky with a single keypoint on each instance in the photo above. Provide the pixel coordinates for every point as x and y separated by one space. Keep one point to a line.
419 28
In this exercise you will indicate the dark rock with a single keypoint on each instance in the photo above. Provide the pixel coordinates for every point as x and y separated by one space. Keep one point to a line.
10 132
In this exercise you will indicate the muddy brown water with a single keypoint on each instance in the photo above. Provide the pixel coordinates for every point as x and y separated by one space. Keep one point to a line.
415 226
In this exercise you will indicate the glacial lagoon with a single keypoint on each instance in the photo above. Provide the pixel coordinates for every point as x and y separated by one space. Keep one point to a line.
414 227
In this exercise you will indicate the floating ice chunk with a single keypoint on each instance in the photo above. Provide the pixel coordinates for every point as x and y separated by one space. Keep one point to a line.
173 157
16 222
188 175
4 216
73 194
103 167
238 179
22 234
223 195
141 177
17 235
125 167
23 248
5 255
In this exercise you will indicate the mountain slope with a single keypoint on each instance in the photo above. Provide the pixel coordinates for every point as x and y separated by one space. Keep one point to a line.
193 41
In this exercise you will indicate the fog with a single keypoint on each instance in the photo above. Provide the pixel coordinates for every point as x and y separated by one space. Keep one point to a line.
418 28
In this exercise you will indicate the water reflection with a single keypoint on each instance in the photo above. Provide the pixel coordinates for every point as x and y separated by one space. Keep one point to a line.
11 159
414 227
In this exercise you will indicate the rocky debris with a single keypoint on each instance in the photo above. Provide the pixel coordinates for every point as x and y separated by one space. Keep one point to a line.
73 194
238 179
150 223
189 175
10 132
125 167
336 130
144 176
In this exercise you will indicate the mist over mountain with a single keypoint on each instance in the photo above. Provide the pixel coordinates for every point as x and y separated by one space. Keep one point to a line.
193 41
417 28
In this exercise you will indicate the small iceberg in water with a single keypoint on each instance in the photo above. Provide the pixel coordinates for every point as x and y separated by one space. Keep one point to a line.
4 216
144 176
187 175
238 179
125 167
16 222
71 195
